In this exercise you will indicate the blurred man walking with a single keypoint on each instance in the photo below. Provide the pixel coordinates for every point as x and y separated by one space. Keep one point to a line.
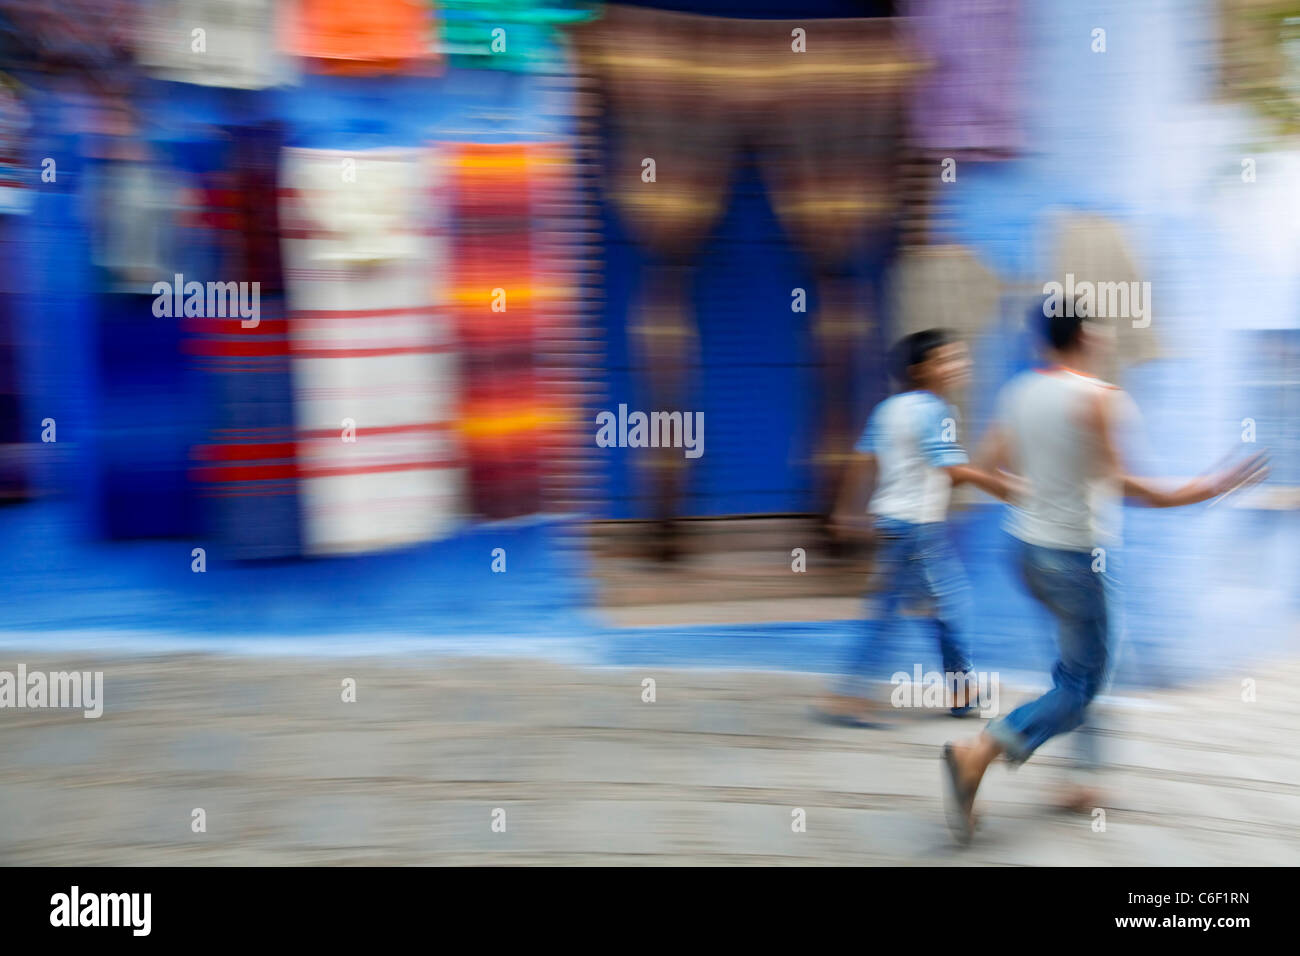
1055 429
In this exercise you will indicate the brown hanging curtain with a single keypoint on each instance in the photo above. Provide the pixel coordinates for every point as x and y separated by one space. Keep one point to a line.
821 113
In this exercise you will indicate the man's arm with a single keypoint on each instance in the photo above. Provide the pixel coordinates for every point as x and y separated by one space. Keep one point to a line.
1248 471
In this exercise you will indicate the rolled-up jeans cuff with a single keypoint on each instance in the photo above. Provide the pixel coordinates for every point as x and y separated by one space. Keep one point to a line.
1014 744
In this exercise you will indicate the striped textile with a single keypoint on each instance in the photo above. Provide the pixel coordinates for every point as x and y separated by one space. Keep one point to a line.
511 417
370 349
248 469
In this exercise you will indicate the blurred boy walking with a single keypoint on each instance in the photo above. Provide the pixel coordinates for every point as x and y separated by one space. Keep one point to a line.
909 452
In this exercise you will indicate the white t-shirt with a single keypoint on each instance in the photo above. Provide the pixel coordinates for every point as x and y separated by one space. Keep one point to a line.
1068 504
913 436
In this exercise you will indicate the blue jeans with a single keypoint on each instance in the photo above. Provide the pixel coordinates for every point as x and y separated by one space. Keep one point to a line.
1065 583
916 562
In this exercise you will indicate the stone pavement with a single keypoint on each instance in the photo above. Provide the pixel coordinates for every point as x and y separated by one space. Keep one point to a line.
588 773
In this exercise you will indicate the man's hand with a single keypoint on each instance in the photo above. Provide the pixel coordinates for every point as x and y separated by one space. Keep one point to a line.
1247 472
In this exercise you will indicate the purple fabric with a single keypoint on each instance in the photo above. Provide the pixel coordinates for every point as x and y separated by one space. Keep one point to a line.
967 106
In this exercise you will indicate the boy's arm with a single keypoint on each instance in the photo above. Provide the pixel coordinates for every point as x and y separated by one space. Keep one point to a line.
855 491
942 451
1247 471
858 483
989 470
992 482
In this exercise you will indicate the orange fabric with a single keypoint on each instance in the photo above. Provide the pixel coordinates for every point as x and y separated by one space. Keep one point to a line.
364 36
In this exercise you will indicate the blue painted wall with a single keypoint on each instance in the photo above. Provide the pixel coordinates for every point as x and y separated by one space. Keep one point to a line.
1129 133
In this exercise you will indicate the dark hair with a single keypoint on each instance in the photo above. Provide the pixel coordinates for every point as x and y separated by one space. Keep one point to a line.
916 348
1060 322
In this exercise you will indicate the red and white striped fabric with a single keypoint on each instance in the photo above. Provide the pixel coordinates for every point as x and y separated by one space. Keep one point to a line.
371 349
